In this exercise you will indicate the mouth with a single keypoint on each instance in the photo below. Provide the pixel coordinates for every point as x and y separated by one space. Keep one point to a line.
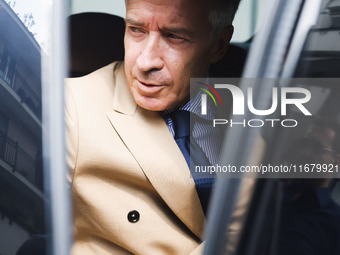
149 88
149 84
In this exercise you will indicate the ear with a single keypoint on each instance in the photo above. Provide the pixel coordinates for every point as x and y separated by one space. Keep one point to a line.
221 44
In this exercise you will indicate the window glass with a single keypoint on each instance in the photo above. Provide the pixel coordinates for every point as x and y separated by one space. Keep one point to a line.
296 210
22 219
248 19
310 208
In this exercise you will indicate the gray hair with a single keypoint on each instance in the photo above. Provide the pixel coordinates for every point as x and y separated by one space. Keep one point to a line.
222 14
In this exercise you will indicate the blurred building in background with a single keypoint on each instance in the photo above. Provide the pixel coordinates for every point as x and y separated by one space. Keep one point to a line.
21 177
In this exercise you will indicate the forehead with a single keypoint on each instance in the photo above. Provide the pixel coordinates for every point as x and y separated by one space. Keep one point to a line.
187 12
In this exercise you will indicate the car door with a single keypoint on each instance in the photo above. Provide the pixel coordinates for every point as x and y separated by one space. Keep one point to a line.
293 207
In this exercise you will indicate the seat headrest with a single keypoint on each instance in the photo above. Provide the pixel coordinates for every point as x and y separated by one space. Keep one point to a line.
96 39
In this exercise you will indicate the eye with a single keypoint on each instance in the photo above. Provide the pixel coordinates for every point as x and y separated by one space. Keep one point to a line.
135 29
175 37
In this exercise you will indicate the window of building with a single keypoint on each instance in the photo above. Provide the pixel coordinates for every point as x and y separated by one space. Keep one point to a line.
7 67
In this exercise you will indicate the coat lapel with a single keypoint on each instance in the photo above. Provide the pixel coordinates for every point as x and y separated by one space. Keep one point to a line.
148 138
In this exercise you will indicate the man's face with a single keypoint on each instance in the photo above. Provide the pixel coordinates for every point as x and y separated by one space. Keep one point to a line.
166 43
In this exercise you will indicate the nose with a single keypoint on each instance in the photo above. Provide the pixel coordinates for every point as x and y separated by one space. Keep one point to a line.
150 58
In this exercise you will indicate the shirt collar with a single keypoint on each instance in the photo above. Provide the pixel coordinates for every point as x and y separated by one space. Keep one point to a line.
194 106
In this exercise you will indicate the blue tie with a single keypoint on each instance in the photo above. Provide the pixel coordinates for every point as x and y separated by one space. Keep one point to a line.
181 120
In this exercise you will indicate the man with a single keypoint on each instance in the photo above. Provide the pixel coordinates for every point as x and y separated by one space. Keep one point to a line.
131 185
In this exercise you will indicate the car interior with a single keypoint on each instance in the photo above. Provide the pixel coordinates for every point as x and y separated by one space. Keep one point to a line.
279 215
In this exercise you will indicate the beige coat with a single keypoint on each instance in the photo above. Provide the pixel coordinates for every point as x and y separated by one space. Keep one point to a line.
123 158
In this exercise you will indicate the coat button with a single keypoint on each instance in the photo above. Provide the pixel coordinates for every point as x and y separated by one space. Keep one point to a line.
133 216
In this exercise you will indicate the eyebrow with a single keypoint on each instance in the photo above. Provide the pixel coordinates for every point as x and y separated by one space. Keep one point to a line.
134 22
172 29
180 31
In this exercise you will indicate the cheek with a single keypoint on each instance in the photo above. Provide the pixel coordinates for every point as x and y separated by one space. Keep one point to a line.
180 64
183 67
129 59
131 54
195 63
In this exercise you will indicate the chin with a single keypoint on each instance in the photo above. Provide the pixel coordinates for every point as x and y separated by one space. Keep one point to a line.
152 104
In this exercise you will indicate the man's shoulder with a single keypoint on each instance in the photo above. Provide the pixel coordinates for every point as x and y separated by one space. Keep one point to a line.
103 77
